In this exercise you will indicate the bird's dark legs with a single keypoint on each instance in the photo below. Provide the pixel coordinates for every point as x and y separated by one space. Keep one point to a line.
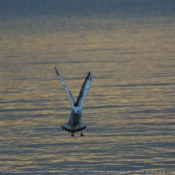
81 131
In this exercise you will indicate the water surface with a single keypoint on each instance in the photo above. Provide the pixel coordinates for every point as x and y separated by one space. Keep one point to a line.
129 108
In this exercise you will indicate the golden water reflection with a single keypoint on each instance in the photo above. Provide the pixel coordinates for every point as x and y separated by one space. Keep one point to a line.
129 108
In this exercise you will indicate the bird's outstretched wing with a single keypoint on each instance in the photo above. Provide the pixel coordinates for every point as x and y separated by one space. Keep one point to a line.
65 87
84 89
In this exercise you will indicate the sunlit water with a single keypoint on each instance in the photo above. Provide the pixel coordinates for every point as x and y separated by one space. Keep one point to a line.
129 108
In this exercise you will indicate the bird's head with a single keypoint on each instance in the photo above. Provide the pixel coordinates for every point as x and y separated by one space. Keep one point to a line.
77 110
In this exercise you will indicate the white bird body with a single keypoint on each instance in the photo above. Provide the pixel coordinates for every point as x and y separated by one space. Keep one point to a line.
75 124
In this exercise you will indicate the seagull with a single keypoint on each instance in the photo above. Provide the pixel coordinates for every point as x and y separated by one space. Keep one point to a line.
74 123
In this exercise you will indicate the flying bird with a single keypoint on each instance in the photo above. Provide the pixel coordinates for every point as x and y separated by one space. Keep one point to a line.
74 123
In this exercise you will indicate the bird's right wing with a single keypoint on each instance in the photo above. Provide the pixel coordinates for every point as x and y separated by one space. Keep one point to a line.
65 87
85 87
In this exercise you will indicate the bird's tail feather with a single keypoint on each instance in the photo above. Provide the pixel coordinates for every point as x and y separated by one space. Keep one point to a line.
75 128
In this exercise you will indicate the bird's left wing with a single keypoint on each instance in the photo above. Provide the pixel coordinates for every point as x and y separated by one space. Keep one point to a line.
65 87
84 89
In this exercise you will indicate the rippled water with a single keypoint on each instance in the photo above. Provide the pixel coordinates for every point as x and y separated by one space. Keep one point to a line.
129 108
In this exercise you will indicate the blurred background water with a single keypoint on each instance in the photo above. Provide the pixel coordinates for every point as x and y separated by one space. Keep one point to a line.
129 108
